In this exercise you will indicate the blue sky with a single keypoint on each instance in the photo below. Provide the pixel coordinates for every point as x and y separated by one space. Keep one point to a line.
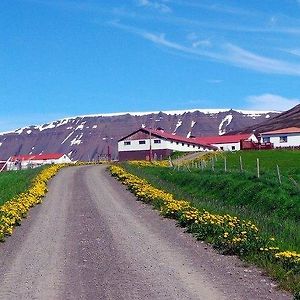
62 58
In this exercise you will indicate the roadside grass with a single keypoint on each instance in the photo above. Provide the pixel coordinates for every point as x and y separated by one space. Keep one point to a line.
288 162
274 208
13 183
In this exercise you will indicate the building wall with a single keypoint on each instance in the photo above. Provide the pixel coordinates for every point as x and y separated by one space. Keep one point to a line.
25 164
164 144
293 140
237 145
144 154
229 146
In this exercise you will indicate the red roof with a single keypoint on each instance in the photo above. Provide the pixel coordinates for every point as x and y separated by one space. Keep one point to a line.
37 156
284 131
172 137
223 139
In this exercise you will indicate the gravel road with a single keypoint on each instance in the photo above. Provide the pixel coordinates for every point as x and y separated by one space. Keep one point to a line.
90 239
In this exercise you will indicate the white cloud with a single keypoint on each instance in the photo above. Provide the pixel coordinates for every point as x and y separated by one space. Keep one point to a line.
271 102
201 43
155 5
225 53
247 59
293 51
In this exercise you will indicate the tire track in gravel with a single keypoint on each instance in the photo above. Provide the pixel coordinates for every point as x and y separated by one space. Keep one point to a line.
90 239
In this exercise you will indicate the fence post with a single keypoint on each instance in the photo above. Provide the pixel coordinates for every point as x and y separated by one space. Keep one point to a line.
278 174
241 164
213 165
258 169
225 164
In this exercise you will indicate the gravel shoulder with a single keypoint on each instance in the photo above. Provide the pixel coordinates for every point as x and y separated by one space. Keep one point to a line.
90 239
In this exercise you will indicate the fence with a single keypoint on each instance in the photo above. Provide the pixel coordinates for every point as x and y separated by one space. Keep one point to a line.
219 164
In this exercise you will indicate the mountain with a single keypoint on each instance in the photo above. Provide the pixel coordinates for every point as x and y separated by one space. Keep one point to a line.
89 137
289 118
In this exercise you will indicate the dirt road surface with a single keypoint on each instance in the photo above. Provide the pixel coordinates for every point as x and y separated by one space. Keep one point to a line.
90 239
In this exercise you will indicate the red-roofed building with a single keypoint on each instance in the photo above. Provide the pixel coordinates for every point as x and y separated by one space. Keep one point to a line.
230 142
19 162
143 143
282 138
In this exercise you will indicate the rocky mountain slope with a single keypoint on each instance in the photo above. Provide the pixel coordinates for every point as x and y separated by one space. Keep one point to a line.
91 137
289 118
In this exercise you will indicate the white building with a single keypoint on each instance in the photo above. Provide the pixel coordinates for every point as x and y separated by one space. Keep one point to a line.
231 142
136 146
21 162
282 138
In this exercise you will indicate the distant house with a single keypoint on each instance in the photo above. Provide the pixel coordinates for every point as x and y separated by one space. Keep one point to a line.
145 143
230 142
35 160
282 138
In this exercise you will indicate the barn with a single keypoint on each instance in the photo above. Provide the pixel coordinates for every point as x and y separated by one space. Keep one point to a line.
230 142
282 138
157 144
21 162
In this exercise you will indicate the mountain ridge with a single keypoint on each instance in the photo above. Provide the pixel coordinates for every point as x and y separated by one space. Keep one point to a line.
89 137
289 118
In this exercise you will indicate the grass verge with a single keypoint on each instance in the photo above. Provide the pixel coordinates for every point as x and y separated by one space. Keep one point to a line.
13 210
241 239
14 183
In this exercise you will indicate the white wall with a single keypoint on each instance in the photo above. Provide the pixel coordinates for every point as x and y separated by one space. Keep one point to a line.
25 164
164 144
237 146
293 140
229 146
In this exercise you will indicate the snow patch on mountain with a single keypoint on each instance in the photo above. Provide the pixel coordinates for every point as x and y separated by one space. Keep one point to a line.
77 140
67 138
224 123
179 123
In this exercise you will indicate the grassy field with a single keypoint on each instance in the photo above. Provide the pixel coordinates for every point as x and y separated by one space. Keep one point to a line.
15 182
287 161
273 207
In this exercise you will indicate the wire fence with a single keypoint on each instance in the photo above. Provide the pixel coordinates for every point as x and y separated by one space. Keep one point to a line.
219 164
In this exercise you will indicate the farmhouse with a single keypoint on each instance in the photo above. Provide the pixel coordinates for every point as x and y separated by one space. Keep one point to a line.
230 142
145 143
35 160
282 138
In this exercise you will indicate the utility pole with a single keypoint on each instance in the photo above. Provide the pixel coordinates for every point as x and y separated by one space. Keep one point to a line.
150 149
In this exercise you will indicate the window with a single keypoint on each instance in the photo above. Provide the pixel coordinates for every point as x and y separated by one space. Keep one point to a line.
177 143
127 143
189 145
233 148
221 148
266 139
193 146
142 142
157 141
283 139
182 144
